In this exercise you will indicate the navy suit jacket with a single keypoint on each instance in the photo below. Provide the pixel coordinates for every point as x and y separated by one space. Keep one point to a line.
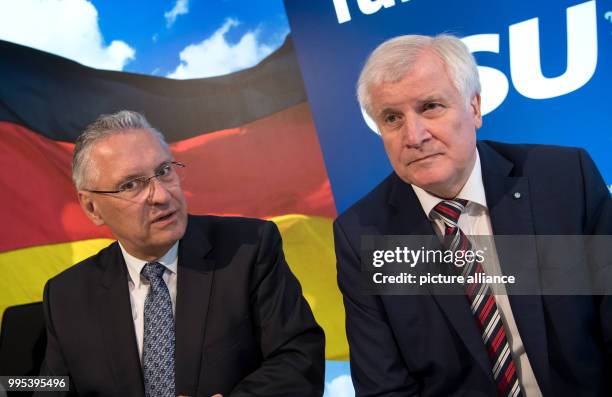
242 325
429 345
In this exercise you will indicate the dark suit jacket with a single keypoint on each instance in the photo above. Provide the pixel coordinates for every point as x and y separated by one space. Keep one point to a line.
429 345
242 325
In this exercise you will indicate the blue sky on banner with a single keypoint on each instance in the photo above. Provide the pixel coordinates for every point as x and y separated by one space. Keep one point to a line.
174 38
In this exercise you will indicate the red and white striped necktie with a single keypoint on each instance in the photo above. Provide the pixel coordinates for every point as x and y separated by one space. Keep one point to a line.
482 302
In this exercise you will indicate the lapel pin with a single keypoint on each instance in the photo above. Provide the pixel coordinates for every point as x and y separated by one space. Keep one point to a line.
517 195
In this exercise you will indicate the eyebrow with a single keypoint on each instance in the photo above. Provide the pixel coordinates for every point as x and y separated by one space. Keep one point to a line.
388 110
419 102
430 98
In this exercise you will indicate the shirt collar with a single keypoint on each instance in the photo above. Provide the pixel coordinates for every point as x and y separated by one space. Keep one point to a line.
473 191
135 265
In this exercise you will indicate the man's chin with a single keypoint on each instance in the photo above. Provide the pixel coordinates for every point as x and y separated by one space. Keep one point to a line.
169 233
178 231
431 183
423 177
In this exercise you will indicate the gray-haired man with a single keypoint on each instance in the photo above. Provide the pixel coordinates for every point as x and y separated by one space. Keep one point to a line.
424 95
181 304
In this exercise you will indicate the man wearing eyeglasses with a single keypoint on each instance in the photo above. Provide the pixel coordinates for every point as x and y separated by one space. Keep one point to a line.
180 304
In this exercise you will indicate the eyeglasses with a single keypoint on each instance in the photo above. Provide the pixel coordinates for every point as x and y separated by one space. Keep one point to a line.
166 173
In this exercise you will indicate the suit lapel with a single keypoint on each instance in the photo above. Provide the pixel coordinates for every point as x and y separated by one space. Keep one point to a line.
117 325
195 277
411 219
509 202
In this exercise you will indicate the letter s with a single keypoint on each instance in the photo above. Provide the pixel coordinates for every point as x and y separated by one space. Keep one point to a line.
494 83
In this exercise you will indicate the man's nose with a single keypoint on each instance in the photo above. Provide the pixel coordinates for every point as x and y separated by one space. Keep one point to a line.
415 132
158 192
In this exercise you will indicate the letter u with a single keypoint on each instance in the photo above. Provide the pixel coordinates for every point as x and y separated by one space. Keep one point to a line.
525 65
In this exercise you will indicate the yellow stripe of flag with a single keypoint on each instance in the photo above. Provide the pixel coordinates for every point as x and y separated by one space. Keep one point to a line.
308 246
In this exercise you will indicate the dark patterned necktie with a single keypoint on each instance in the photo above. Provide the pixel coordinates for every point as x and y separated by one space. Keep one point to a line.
482 302
158 341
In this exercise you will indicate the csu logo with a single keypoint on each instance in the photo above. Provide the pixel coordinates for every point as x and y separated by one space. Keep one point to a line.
525 65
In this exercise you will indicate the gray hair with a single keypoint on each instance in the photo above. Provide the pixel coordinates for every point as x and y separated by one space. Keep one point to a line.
394 58
104 126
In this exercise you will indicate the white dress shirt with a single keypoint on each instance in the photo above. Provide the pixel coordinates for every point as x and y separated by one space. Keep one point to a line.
139 286
475 221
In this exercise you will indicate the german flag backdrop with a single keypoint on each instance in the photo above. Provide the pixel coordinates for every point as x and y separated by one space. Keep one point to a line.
247 138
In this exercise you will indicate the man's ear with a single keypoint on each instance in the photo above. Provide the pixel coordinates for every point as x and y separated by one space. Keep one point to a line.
475 108
90 207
